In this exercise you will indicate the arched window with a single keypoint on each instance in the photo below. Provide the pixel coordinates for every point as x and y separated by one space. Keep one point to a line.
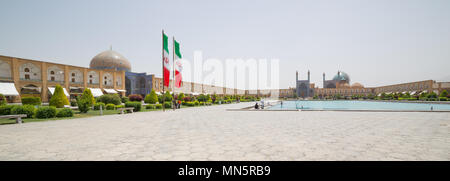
93 77
52 72
108 79
29 71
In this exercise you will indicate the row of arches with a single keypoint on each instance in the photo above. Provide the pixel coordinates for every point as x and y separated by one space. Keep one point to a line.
30 71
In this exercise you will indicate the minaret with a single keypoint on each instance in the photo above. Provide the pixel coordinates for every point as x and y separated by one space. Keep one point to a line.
296 76
323 80
308 75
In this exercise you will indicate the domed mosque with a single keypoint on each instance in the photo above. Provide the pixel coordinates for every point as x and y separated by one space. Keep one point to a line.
110 60
340 80
135 83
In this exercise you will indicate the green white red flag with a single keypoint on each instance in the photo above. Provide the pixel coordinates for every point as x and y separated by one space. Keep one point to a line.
178 64
166 62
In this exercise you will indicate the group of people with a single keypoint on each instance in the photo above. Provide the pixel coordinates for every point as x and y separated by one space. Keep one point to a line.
176 104
257 106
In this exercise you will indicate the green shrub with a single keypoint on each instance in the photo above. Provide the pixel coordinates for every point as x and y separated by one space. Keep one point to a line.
151 98
443 99
120 106
64 112
196 103
136 105
73 103
29 110
6 109
190 104
98 104
125 99
2 100
168 96
150 106
59 99
46 112
444 93
31 101
110 99
85 101
180 97
87 95
167 105
84 105
432 95
110 106
408 99
158 106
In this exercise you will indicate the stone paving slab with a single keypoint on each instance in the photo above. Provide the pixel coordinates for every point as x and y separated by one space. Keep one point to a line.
212 133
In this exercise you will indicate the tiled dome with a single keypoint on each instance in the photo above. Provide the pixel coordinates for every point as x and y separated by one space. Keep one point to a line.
110 60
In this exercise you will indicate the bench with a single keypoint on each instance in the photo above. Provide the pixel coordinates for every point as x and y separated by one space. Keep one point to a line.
18 117
125 109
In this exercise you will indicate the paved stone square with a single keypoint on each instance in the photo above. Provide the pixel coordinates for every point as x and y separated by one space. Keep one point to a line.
212 133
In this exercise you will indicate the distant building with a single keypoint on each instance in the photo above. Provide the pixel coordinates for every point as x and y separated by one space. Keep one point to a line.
135 83
303 87
31 78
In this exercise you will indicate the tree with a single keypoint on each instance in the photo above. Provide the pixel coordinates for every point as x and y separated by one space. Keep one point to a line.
444 93
432 95
86 101
214 97
151 98
181 97
59 99
168 96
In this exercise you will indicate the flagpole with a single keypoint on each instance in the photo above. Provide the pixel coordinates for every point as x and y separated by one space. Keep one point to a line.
163 99
173 72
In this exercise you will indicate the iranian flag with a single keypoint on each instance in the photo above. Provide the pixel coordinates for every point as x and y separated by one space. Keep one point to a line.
178 65
166 63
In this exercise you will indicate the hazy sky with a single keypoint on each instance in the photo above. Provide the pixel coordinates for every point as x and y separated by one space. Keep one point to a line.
376 42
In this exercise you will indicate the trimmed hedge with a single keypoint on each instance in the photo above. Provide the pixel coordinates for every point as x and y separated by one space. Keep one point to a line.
137 106
110 106
64 112
135 97
31 101
158 106
110 99
97 106
120 106
190 104
29 110
46 112
167 105
6 109
150 106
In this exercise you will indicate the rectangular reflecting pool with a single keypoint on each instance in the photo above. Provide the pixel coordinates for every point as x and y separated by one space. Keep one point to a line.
359 105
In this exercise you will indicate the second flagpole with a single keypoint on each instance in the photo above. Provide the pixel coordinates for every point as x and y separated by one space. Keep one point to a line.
173 73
